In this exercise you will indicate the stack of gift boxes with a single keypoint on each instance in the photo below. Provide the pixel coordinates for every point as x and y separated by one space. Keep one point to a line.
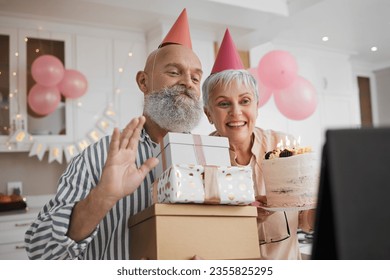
201 204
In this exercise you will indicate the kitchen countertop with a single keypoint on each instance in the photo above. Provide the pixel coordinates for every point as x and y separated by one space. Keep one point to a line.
34 205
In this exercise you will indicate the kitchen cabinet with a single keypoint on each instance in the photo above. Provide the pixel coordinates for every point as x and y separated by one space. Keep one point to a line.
19 123
108 58
13 226
12 229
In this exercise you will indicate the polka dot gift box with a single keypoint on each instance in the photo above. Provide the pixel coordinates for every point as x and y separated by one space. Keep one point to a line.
189 183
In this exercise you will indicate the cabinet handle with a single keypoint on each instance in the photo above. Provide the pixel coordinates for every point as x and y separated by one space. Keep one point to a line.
22 225
18 247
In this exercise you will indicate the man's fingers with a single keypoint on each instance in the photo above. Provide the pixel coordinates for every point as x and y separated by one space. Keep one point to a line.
127 133
148 165
114 144
133 141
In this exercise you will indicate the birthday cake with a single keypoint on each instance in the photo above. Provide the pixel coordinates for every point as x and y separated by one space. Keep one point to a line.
291 178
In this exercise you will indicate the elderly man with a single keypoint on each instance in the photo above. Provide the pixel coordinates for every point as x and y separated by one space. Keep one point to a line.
110 180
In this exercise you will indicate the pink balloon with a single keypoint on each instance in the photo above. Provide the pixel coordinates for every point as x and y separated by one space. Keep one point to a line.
298 101
277 69
264 92
73 85
43 100
47 70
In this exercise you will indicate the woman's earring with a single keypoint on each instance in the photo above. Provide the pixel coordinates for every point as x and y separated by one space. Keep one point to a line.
211 122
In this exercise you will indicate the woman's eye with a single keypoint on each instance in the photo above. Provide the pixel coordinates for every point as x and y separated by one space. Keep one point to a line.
246 101
174 73
223 104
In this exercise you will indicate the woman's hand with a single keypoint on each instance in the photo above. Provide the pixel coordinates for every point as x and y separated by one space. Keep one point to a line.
262 214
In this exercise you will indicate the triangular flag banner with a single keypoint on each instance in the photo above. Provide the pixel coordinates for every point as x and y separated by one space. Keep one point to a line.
110 113
94 135
227 57
82 144
55 153
21 136
38 149
70 152
105 125
179 32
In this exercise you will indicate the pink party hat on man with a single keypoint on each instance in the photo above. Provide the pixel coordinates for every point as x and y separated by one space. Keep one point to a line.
227 57
179 32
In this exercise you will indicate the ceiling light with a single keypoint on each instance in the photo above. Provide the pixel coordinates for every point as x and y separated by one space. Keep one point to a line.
325 38
374 49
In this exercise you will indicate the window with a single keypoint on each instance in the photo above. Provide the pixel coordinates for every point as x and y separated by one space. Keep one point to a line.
4 85
54 123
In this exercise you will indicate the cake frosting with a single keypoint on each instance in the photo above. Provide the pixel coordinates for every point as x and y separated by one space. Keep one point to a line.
291 178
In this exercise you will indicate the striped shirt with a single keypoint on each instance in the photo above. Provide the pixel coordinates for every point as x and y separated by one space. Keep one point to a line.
46 238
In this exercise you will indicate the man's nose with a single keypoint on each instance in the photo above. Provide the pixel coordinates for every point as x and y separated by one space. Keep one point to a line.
186 81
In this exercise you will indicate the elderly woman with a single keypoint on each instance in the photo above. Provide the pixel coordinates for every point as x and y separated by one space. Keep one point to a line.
230 102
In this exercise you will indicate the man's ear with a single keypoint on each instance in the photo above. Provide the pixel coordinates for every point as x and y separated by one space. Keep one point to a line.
141 79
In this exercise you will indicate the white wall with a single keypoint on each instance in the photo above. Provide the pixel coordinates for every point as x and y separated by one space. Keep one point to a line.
338 103
382 79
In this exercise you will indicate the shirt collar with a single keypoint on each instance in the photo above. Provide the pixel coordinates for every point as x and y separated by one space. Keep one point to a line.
145 138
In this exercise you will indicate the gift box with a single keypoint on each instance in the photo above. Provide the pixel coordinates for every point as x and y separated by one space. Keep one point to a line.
188 183
181 148
180 231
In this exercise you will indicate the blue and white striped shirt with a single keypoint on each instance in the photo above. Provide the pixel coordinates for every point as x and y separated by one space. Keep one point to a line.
47 239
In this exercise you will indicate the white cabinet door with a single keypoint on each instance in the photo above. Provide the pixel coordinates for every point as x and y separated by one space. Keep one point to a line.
63 112
9 89
13 251
20 120
12 239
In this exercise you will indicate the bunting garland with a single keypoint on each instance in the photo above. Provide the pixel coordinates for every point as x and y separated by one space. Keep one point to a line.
104 126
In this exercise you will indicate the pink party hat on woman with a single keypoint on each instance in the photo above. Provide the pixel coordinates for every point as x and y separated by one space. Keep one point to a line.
227 57
179 33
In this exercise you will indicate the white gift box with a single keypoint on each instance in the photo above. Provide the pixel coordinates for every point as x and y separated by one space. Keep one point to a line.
181 148
186 183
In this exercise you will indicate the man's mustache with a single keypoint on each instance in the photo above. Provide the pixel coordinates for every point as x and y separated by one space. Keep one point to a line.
178 90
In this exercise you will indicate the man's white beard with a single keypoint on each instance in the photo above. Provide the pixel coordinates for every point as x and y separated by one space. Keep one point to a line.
175 109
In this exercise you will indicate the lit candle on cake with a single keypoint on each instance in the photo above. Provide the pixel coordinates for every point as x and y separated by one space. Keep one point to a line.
280 145
287 143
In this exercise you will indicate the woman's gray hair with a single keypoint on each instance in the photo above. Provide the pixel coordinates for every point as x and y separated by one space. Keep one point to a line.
224 78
